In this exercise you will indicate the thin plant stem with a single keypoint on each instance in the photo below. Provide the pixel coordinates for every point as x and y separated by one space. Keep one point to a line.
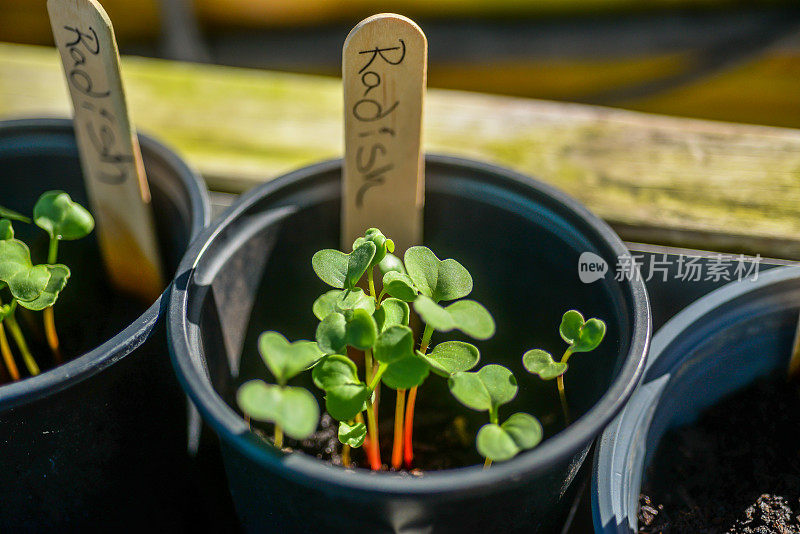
368 365
562 394
377 378
16 333
346 455
278 439
372 423
48 316
408 432
52 251
51 334
369 450
8 357
487 464
397 446
371 281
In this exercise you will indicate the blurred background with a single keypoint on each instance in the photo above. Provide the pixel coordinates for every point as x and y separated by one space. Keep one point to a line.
718 59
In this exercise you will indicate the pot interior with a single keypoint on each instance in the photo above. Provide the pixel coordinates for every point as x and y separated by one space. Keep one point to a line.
723 351
38 158
520 244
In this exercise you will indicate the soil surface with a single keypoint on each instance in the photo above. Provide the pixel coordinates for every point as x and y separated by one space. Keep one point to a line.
736 470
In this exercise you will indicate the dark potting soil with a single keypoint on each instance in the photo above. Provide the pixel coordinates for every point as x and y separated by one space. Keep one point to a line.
444 434
736 470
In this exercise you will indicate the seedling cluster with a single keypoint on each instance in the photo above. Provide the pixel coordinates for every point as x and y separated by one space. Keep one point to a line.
32 286
375 327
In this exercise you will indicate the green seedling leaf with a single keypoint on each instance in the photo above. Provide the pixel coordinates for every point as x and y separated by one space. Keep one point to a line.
294 409
26 281
352 434
540 362
345 394
583 336
5 311
400 286
452 357
332 334
466 315
392 312
382 245
361 329
6 213
406 373
502 442
286 360
340 270
485 390
337 300
437 279
391 263
395 343
61 217
6 230
59 274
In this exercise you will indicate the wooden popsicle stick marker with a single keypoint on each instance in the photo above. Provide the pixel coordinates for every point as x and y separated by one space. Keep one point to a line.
111 160
384 71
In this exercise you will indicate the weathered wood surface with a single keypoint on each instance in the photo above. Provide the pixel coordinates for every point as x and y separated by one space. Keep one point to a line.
662 180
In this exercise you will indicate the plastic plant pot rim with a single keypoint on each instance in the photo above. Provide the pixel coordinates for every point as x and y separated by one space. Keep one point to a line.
310 471
129 339
644 400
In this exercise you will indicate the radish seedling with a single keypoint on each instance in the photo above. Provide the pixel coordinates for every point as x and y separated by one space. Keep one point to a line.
581 335
377 324
32 286
487 390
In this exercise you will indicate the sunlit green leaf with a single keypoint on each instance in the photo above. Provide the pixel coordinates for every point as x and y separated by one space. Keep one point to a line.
294 409
487 389
59 274
361 330
391 263
61 217
392 312
541 363
6 230
332 333
452 357
339 300
382 245
340 270
466 315
406 373
6 213
435 278
352 434
400 286
286 360
395 343
583 336
502 442
345 394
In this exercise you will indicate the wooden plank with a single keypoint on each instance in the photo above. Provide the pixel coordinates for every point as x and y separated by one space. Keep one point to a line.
110 156
682 182
384 62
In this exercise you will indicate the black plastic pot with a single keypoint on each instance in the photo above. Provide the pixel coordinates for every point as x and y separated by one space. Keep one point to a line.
99 441
698 357
521 240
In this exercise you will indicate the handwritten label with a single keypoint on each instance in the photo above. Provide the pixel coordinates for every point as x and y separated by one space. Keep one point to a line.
384 63
99 122
112 164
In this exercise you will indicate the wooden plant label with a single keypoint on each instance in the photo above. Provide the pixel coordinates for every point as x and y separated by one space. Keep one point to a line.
384 70
110 156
